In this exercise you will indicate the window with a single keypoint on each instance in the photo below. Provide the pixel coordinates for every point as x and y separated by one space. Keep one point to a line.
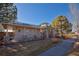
19 30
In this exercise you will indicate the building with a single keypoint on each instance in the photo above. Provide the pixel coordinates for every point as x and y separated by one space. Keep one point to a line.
21 32
44 28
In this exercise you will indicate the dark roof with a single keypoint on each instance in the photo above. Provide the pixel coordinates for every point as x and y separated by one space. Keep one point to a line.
25 24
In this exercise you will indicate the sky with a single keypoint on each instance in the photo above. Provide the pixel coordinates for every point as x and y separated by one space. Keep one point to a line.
37 13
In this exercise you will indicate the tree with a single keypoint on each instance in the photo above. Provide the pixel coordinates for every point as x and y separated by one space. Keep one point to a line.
61 25
8 12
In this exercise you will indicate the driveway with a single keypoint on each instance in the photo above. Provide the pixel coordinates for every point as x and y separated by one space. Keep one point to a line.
60 49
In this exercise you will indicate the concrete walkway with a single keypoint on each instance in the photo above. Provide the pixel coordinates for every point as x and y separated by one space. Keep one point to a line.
59 50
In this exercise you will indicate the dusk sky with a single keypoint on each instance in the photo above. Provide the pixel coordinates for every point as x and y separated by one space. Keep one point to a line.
39 13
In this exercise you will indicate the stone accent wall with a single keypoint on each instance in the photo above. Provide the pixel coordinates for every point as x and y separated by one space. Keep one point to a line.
27 35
